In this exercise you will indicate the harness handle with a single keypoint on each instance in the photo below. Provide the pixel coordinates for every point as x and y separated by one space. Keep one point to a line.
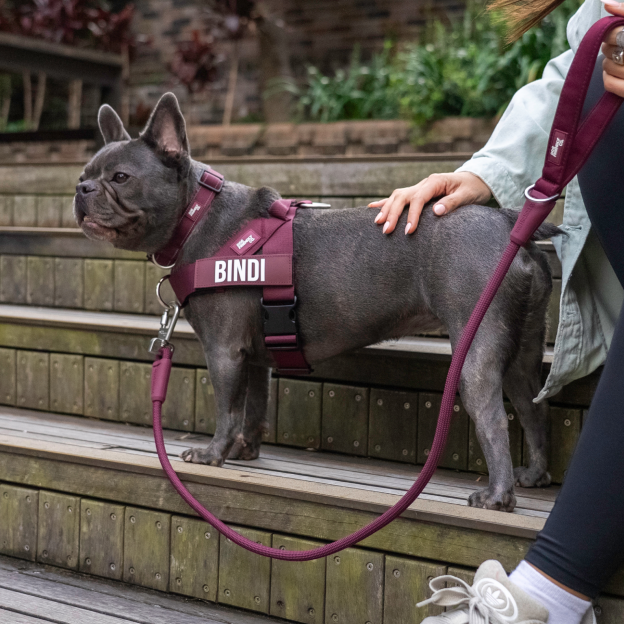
558 171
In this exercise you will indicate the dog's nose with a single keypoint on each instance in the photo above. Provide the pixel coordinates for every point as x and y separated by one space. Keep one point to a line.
88 186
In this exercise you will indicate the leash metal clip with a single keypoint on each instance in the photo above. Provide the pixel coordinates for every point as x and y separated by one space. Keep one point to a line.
168 322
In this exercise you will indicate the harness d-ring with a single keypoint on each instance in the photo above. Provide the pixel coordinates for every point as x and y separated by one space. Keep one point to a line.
151 258
163 303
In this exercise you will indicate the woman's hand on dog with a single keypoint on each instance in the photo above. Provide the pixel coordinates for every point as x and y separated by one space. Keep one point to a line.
612 73
455 189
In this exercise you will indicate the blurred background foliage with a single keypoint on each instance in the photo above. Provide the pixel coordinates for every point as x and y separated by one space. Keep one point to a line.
463 68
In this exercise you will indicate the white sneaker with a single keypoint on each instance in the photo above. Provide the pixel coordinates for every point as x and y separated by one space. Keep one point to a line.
493 599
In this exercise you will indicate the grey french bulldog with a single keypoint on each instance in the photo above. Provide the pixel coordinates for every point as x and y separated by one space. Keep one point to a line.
355 287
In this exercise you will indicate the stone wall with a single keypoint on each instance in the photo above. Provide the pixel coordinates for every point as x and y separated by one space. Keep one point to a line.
322 32
348 138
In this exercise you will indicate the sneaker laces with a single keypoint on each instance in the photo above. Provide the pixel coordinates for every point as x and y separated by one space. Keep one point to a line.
487 601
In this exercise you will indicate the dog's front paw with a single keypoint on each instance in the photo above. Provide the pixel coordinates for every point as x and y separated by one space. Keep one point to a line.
202 456
245 452
531 477
245 449
486 499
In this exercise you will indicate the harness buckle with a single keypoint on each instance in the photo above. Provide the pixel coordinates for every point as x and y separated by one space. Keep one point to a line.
217 187
168 322
279 319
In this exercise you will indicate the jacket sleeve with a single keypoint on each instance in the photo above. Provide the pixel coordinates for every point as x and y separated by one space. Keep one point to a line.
514 156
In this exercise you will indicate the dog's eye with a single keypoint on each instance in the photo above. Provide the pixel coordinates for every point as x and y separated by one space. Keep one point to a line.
120 178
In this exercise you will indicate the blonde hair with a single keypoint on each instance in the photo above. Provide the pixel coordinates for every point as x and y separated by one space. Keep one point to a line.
521 15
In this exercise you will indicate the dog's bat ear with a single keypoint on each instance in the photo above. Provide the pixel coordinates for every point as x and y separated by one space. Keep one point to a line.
166 130
111 126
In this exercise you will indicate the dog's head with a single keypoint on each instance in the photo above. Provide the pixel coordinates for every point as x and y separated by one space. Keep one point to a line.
133 190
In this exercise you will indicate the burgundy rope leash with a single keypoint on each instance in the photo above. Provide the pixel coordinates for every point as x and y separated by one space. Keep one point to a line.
569 146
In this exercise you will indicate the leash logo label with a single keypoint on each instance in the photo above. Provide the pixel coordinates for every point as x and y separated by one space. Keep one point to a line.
194 209
556 151
242 245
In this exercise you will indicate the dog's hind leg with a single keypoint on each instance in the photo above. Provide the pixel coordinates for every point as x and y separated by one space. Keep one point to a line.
255 423
482 395
229 377
522 383
481 390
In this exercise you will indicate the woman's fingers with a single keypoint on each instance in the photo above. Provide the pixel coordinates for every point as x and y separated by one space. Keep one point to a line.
615 8
613 74
394 209
419 195
610 39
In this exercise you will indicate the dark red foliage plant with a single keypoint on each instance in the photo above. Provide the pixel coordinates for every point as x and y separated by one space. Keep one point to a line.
195 62
81 23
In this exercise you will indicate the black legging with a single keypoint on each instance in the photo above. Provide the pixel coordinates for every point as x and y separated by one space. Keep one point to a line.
582 544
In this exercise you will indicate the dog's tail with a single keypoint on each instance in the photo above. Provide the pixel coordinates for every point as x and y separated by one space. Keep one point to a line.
544 231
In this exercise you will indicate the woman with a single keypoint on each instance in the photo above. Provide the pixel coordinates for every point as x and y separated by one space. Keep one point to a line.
582 543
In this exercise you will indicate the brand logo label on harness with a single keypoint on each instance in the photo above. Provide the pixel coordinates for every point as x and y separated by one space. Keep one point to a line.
193 210
555 153
245 242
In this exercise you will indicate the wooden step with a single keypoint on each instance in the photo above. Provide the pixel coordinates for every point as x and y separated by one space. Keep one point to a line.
60 267
381 401
83 494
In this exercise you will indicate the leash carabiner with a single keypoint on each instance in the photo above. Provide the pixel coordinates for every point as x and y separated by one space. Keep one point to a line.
168 322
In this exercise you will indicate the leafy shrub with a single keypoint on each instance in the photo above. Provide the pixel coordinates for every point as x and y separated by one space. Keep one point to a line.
464 68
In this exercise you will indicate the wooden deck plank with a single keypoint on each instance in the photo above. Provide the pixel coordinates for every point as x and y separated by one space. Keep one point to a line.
19 618
46 608
111 598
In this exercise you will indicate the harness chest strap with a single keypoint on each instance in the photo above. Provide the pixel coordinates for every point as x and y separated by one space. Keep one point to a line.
236 265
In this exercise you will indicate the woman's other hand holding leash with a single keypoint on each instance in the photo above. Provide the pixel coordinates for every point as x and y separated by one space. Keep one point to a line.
613 49
455 190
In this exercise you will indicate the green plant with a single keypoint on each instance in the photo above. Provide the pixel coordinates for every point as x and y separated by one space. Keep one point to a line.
462 68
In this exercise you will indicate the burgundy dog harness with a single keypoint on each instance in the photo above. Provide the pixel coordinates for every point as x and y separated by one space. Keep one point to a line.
238 264
569 147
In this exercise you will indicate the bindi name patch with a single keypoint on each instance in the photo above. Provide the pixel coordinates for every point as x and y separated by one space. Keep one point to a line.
251 271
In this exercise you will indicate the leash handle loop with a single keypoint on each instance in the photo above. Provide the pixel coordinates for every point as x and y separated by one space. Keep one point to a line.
571 140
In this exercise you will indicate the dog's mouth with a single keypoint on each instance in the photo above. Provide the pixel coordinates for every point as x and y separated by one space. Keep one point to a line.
92 228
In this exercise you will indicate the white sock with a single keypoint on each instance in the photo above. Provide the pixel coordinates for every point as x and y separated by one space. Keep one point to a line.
563 607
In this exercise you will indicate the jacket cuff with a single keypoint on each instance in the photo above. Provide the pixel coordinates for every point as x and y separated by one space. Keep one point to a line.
497 178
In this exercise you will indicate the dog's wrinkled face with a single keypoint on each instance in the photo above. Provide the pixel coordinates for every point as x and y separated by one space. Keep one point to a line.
131 192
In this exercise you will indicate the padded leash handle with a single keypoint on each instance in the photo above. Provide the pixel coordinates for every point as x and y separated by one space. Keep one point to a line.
559 169
571 141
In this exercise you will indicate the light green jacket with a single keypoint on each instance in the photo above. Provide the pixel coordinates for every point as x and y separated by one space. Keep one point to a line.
591 295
